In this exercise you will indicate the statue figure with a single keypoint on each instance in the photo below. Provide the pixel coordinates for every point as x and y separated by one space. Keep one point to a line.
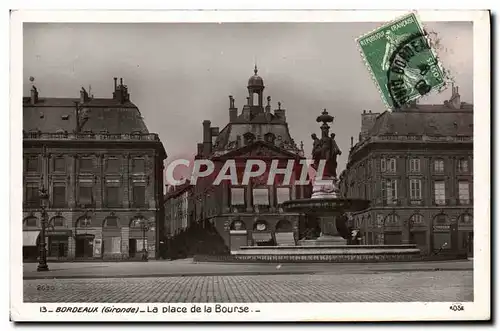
334 152
316 150
326 148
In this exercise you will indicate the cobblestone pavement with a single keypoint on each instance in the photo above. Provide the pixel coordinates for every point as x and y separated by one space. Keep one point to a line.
378 287
187 267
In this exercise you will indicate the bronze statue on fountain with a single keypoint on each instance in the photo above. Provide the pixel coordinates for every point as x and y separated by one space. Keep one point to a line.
325 204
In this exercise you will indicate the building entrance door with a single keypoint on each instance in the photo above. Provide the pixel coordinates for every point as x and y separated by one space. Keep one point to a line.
132 247
84 246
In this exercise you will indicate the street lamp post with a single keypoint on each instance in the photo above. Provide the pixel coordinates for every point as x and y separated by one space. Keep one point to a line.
145 228
44 200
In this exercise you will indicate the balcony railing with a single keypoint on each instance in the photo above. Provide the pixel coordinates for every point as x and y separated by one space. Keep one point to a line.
410 139
465 202
91 136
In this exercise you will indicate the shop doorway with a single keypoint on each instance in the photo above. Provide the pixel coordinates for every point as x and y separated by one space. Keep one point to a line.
84 246
132 247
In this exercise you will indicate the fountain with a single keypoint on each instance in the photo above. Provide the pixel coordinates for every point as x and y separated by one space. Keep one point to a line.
329 208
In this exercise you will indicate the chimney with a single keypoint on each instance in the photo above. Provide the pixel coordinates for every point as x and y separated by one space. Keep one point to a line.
455 98
367 121
115 83
121 92
34 95
200 149
233 112
207 138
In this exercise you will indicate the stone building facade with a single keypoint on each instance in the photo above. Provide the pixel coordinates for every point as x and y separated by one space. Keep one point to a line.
104 174
415 165
179 213
250 214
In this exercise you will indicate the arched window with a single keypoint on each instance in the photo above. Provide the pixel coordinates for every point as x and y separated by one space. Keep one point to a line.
440 219
466 219
270 137
249 138
110 222
137 222
84 222
260 225
57 221
392 219
30 221
284 226
237 225
255 97
417 219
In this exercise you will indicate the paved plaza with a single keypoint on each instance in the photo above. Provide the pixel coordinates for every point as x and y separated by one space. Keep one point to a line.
187 267
404 286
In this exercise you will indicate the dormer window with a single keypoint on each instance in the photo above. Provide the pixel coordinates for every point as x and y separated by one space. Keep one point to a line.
270 137
249 138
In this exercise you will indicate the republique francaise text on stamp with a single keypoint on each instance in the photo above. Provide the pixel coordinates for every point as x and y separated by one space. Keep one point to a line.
401 61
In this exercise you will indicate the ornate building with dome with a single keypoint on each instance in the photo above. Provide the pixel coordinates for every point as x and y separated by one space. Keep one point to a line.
249 214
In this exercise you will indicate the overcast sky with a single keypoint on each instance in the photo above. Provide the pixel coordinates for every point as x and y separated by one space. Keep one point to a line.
181 74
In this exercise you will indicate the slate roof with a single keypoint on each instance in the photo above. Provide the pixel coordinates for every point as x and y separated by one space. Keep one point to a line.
53 114
432 120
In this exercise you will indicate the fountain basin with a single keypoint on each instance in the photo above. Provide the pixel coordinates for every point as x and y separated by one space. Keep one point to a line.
328 253
325 206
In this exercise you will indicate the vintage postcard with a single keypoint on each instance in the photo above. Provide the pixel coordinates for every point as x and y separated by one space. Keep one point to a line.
250 166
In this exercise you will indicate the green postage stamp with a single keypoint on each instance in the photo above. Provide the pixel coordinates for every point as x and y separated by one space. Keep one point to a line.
401 61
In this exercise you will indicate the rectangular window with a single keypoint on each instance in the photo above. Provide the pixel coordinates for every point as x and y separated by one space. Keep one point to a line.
32 164
32 197
113 197
85 196
439 192
415 189
439 166
112 165
237 196
390 190
60 164
138 165
391 165
139 196
260 197
141 243
383 165
86 164
463 165
414 165
59 196
463 192
282 194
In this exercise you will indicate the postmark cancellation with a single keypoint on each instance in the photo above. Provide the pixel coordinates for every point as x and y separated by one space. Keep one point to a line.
401 61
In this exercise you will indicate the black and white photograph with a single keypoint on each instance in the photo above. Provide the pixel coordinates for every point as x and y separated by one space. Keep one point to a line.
236 166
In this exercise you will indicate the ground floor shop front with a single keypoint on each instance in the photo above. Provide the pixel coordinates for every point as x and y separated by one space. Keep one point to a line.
90 238
434 231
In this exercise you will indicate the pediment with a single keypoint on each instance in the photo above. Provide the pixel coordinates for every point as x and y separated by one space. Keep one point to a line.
259 150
